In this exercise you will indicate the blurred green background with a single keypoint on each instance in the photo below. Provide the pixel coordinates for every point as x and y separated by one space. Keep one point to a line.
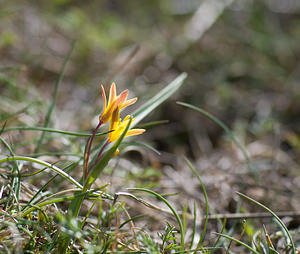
242 60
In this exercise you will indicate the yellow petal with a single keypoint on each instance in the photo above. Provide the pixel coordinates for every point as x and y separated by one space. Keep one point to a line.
114 125
134 132
113 102
129 102
112 93
103 97
122 97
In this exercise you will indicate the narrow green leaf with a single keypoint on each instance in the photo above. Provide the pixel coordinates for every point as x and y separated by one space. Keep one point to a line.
158 99
194 226
70 167
171 208
141 144
16 183
50 166
152 124
225 128
206 201
239 242
133 218
43 129
283 227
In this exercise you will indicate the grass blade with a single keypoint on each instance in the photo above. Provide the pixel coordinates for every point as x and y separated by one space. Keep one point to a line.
141 144
50 166
16 183
152 124
239 242
171 208
206 201
46 184
225 128
283 227
45 129
158 99
194 226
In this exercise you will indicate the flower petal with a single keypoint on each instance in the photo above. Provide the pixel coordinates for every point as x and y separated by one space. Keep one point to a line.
128 102
103 97
112 93
134 132
114 126
122 98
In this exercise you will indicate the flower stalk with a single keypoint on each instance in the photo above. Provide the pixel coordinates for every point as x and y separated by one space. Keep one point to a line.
118 130
89 147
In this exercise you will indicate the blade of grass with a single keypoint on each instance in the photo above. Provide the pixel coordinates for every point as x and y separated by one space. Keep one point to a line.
152 124
256 235
50 166
51 106
20 221
225 128
239 242
206 250
17 179
44 129
283 227
206 201
194 226
171 208
55 154
58 200
222 230
47 183
133 218
158 99
141 144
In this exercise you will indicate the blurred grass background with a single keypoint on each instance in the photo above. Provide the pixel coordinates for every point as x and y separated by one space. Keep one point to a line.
244 68
242 60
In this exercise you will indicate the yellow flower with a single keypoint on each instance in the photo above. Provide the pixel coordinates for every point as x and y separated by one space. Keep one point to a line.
114 101
117 127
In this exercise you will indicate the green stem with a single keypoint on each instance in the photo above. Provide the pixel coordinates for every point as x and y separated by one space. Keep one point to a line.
89 147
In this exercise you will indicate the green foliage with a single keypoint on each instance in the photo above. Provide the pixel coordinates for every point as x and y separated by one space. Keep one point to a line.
148 244
168 238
